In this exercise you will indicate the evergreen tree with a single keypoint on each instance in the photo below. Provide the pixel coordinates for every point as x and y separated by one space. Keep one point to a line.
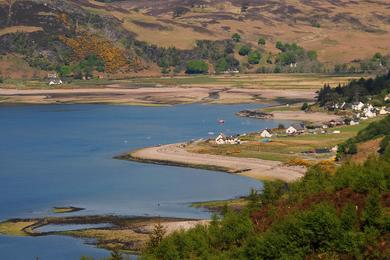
157 235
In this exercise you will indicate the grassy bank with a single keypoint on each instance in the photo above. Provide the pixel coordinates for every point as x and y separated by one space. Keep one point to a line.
61 210
219 205
282 147
15 228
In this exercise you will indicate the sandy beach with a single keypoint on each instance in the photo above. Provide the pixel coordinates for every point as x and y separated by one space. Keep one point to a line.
176 154
116 94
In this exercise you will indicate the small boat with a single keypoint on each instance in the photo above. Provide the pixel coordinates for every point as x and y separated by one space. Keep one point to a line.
221 121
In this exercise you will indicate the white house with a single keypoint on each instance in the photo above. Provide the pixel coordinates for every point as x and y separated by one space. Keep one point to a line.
357 106
295 129
222 139
54 79
369 112
266 133
55 82
353 122
383 111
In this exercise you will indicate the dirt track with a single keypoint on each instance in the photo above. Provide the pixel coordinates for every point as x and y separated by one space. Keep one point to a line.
250 167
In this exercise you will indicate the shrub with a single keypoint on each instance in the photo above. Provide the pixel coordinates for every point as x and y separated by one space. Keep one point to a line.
261 41
1 79
197 67
165 70
64 71
244 50
157 235
372 214
348 217
236 37
272 191
254 57
222 65
312 55
384 143
279 45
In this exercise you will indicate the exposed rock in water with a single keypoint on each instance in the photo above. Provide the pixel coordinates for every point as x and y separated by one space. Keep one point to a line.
254 114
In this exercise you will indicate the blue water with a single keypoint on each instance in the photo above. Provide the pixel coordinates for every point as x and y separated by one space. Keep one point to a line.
61 155
68 227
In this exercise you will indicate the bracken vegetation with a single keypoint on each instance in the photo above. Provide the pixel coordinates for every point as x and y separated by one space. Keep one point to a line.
337 215
380 129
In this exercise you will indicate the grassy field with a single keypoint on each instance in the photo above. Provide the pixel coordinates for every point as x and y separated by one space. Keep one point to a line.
269 81
11 228
282 147
256 81
218 205
61 210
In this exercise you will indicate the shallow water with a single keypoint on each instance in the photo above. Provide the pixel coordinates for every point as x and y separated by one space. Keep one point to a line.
69 227
61 155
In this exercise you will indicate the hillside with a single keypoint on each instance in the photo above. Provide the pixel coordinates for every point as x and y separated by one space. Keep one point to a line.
137 37
330 213
340 30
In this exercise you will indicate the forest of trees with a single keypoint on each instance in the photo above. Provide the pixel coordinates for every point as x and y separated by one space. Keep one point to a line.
329 214
356 90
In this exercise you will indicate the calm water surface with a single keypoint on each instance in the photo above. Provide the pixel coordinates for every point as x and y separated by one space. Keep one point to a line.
61 155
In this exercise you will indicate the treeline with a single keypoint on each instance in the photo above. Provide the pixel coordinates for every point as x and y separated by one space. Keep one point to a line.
373 131
218 53
377 64
328 214
355 91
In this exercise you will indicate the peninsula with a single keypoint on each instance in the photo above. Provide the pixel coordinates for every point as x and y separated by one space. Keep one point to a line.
178 155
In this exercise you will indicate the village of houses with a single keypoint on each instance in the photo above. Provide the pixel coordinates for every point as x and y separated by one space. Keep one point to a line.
357 112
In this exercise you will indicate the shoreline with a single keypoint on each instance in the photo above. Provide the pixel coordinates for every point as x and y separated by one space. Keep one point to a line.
215 89
177 155
151 96
287 113
128 234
